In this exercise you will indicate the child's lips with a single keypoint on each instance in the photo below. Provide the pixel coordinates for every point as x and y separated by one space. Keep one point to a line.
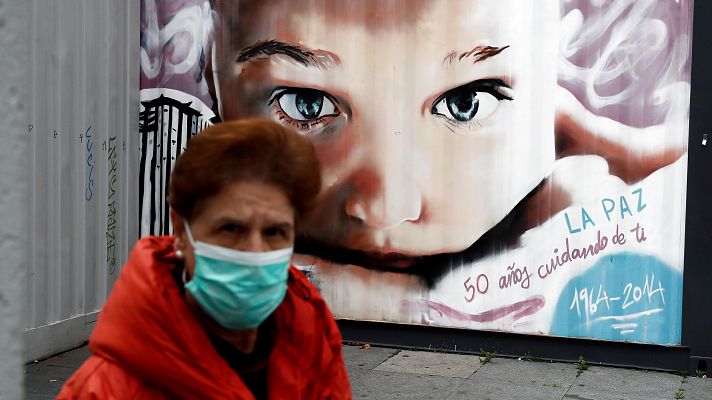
389 259
373 257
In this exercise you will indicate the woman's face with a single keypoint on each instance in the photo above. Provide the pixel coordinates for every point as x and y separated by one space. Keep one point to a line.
245 216
431 119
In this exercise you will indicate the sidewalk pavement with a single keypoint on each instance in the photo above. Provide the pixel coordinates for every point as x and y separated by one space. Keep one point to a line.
384 373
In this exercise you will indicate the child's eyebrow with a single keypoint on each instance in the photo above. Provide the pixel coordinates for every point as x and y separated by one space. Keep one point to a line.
479 53
309 58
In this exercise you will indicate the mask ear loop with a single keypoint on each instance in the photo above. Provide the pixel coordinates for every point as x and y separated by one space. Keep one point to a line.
185 275
192 243
189 233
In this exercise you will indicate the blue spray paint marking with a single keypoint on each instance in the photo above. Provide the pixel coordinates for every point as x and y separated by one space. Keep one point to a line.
627 297
89 192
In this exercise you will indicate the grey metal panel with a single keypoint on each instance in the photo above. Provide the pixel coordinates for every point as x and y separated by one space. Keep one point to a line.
83 123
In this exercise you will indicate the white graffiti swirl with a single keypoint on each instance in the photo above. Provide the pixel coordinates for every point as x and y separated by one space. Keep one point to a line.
629 48
176 47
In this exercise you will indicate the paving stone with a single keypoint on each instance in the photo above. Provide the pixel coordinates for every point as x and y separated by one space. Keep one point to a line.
698 388
366 358
431 363
393 385
404 376
43 379
360 360
616 383
513 380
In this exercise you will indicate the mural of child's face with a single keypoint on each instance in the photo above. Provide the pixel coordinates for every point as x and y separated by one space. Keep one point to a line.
432 119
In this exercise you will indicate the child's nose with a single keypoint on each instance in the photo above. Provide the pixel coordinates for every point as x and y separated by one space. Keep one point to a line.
385 192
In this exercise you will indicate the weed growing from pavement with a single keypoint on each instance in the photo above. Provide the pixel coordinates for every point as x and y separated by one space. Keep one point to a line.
581 365
681 372
530 358
488 356
700 374
680 394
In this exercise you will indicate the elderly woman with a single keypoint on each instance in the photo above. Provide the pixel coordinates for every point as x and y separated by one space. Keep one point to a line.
216 311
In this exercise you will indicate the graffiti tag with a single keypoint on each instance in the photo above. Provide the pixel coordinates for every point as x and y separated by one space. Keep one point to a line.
111 227
89 191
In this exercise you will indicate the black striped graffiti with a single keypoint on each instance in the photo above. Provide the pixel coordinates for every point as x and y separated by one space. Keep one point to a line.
168 119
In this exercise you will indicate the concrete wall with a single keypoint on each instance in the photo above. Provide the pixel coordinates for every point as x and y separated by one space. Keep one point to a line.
14 211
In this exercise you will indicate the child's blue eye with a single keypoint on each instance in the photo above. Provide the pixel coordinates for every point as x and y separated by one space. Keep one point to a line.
302 104
475 100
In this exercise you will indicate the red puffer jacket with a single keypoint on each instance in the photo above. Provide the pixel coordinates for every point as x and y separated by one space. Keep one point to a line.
147 344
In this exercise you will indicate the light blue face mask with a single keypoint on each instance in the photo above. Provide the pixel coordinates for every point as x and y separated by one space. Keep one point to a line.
239 289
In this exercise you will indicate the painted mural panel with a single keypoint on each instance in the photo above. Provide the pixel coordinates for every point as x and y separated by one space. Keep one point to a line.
488 164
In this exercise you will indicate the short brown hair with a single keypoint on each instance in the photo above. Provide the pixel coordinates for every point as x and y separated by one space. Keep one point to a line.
245 150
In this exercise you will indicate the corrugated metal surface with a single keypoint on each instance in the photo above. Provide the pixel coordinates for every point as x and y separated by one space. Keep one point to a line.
83 127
